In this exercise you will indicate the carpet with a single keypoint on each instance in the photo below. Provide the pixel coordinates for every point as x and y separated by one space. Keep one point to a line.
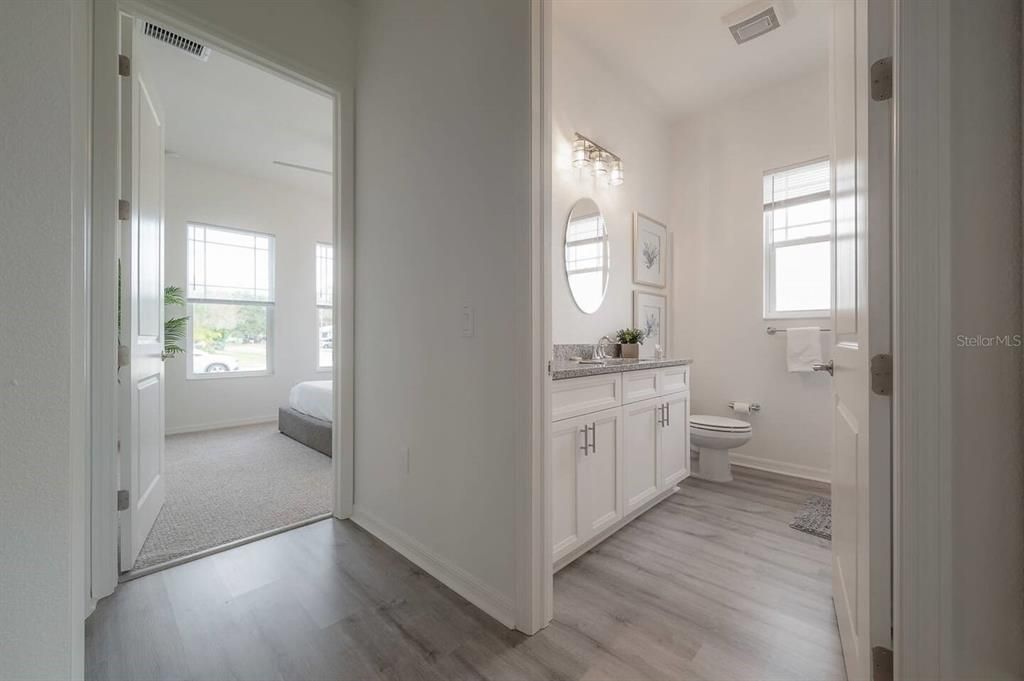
815 517
233 483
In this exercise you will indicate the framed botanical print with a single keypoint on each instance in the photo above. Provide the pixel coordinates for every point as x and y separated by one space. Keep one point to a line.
650 314
650 251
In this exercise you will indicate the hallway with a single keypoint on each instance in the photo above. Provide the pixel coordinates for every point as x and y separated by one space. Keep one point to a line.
739 595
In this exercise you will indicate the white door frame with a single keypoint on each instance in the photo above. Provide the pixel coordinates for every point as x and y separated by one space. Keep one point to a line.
922 342
534 558
103 539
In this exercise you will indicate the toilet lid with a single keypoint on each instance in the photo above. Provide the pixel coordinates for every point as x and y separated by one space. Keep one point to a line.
719 424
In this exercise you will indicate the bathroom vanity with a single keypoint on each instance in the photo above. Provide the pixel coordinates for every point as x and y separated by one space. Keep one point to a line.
620 444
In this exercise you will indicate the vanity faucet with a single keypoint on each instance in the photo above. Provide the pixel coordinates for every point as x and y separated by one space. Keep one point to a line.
599 352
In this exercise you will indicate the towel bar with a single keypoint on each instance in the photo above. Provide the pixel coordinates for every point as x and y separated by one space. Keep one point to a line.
771 330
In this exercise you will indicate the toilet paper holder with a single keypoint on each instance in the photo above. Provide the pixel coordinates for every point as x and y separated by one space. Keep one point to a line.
754 406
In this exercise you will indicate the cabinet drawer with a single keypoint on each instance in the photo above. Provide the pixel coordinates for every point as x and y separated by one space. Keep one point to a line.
673 380
639 385
575 396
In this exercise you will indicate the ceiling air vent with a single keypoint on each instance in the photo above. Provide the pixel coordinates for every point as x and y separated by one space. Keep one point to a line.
754 26
196 49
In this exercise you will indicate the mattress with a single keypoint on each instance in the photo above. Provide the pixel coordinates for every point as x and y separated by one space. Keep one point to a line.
313 398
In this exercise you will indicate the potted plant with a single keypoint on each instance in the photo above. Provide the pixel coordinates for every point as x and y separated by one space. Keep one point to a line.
174 327
630 341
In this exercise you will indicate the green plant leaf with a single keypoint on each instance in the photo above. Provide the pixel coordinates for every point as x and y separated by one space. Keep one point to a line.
173 295
175 328
630 336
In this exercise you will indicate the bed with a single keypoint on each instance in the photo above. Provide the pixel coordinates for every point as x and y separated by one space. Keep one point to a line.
307 418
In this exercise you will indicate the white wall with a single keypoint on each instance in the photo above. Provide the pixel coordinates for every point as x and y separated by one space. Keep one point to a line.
46 64
44 69
986 541
443 219
617 112
720 155
298 220
315 37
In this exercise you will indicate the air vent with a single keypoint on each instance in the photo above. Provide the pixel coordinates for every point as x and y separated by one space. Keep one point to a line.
755 26
196 49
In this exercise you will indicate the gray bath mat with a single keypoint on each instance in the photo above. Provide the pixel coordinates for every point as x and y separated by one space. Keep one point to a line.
815 517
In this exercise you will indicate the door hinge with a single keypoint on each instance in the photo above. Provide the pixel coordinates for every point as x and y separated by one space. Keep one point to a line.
549 367
881 664
122 500
124 209
881 374
881 80
124 65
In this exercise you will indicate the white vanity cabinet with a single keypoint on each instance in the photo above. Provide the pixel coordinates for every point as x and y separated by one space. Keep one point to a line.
674 441
611 464
641 432
656 446
587 470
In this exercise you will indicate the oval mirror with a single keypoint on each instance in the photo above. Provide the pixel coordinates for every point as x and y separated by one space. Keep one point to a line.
587 263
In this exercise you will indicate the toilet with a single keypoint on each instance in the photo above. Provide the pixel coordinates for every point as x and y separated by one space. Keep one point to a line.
713 437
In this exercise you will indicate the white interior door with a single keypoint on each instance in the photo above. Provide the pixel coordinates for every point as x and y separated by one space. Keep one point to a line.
142 265
861 420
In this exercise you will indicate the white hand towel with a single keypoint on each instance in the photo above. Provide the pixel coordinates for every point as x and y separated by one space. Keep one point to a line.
803 348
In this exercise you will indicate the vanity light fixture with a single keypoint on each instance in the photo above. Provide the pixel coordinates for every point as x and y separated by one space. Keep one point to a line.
617 175
602 163
580 157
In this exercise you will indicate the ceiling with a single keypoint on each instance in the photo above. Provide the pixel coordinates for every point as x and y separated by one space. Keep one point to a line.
230 114
683 52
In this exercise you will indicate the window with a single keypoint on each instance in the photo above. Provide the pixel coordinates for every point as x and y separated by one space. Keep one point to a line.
798 241
324 301
230 292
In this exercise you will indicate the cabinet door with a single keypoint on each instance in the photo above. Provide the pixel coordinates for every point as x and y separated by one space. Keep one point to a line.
674 464
640 428
600 500
566 450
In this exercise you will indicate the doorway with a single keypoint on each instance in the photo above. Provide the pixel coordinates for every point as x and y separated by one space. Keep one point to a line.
703 146
228 305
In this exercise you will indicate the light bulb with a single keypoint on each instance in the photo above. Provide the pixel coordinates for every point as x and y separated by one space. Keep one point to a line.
600 164
580 159
617 175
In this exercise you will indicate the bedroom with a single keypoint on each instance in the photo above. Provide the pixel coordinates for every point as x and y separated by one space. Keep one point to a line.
237 443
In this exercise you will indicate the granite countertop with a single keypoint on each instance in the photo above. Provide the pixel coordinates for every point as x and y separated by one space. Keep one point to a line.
565 368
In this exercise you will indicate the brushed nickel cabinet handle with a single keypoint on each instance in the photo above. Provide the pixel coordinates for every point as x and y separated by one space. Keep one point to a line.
593 439
668 415
586 439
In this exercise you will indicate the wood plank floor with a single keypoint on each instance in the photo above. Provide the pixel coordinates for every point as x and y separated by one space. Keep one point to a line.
710 584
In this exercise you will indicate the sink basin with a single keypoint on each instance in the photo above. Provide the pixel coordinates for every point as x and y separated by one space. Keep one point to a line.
614 361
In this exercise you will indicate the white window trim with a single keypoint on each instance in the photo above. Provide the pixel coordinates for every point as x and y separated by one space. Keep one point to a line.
190 375
320 368
768 250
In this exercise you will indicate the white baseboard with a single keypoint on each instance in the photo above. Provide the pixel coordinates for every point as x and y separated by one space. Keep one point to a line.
495 604
794 470
222 424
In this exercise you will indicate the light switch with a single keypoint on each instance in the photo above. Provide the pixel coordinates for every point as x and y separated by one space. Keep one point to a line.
467 321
